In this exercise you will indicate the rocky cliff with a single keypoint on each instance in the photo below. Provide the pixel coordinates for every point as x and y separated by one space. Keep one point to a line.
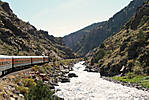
21 38
127 50
101 31
74 38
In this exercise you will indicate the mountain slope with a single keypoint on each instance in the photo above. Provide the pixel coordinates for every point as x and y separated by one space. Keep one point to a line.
72 39
99 33
21 38
127 50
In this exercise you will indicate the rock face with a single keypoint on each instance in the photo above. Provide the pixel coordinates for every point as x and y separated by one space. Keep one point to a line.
127 49
72 39
82 42
21 38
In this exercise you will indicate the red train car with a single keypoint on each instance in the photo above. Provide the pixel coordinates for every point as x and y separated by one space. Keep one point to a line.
21 61
18 62
45 59
37 59
5 63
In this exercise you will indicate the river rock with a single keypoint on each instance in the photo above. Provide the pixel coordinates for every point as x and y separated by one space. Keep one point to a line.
52 87
58 89
11 98
89 69
93 70
65 79
21 95
65 71
70 75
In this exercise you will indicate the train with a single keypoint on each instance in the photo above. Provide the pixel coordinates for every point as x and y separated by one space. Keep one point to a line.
10 63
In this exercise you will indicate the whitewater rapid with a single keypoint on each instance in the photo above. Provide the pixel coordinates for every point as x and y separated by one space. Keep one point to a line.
89 86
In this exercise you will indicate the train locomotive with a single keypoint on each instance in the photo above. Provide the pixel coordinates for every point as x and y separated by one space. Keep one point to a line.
9 63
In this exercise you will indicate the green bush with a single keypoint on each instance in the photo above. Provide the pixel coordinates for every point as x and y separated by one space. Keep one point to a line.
143 20
22 89
35 68
139 79
130 75
100 54
145 83
137 69
102 45
40 92
146 78
141 36
146 70
29 82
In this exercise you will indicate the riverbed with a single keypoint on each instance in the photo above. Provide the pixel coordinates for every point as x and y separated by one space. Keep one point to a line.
90 86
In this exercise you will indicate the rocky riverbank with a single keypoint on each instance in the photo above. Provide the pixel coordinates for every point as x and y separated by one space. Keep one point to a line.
16 85
128 84
96 69
90 86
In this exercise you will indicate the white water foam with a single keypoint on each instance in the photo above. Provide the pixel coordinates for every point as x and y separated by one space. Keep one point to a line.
89 86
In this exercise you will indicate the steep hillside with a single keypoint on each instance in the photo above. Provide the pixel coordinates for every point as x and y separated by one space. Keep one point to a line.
21 38
127 50
99 33
72 39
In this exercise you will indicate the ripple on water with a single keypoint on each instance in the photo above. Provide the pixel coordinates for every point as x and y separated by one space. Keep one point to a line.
89 86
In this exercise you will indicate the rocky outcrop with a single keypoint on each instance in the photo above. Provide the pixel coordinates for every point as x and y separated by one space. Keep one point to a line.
127 49
96 35
5 6
74 38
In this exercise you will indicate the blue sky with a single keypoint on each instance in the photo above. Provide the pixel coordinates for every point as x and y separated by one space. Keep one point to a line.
62 17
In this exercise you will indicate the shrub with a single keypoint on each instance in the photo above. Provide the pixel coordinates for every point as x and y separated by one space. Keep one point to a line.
143 20
85 58
29 82
146 78
35 68
145 83
102 45
147 22
22 89
137 69
40 92
141 36
99 55
130 75
146 70
1 89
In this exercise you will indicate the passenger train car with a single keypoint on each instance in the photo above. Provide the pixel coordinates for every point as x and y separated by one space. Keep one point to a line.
8 63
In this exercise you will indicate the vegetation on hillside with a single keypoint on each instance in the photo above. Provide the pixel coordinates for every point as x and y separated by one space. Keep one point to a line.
21 38
127 50
40 92
125 55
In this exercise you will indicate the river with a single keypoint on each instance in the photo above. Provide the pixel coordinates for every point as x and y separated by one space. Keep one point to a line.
89 86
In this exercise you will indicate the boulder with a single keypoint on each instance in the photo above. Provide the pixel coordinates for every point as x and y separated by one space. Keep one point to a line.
65 79
93 70
70 75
